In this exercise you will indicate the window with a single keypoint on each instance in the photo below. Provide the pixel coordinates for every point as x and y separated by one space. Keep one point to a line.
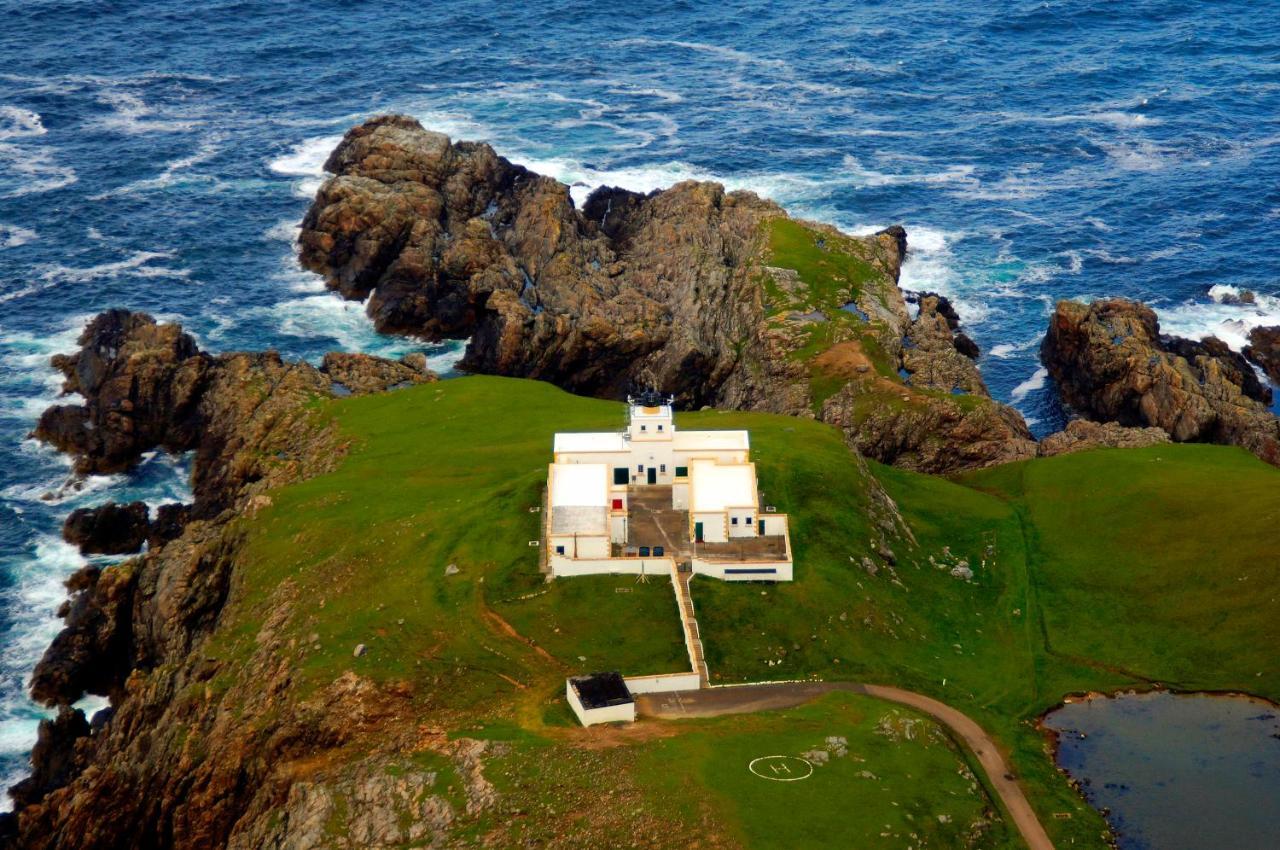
734 520
659 427
747 521
644 427
559 550
639 467
662 468
682 472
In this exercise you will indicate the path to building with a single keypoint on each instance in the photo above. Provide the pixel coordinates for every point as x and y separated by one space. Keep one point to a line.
689 621
712 702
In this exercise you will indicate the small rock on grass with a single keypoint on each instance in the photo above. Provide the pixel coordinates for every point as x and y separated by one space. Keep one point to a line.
452 570
360 649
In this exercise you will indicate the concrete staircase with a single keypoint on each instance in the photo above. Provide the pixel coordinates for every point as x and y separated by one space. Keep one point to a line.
689 620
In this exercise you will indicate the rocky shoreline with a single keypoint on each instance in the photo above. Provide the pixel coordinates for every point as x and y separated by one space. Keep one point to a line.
716 297
133 632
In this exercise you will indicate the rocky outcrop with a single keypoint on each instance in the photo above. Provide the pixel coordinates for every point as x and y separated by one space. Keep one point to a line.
1083 434
688 290
142 383
1264 350
935 355
110 529
360 374
1111 363
53 759
147 385
134 632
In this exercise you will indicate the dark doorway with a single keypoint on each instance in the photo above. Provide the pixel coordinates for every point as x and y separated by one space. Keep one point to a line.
697 531
653 475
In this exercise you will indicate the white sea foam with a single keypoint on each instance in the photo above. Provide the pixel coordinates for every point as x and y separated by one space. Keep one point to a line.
34 170
305 160
172 173
1035 382
139 264
930 267
131 115
13 235
1009 349
1229 322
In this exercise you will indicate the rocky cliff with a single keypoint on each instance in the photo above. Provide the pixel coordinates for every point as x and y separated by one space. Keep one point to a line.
140 775
1112 364
716 297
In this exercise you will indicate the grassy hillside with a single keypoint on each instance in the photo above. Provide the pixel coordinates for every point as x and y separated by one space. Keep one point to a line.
1097 571
1092 571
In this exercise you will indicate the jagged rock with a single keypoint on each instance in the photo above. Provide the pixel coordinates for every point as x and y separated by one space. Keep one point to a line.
933 356
92 652
962 571
142 383
170 520
147 386
661 289
110 529
1264 349
1111 363
53 759
967 346
1083 434
361 374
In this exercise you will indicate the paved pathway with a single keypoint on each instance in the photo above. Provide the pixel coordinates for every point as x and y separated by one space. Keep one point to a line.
710 702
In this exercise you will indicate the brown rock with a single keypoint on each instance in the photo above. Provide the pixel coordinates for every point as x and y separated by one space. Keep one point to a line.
1083 434
362 374
660 290
111 529
1264 349
1111 363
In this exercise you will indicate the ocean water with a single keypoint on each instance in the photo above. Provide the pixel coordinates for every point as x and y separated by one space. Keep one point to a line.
159 155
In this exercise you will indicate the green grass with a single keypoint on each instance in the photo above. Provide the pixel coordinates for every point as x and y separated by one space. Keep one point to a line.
900 781
1095 571
1109 569
834 268
440 474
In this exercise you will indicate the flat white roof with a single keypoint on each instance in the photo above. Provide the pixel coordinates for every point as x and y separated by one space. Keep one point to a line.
579 498
692 441
579 485
589 442
718 486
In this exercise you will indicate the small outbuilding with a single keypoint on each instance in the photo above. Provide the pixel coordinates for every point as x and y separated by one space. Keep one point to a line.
600 698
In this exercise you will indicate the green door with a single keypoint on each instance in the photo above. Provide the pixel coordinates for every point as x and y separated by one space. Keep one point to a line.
697 531
653 475
761 528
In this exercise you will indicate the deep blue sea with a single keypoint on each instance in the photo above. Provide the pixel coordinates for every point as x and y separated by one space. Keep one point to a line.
159 155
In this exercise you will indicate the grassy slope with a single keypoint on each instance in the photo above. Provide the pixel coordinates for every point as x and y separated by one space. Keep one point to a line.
447 473
902 782
1111 569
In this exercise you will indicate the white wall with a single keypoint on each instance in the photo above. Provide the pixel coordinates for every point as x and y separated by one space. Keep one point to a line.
713 526
663 683
775 525
624 713
782 570
746 526
562 566
680 495
579 545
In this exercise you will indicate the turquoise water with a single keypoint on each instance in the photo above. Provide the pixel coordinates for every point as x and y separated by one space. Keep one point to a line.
1177 772
158 155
